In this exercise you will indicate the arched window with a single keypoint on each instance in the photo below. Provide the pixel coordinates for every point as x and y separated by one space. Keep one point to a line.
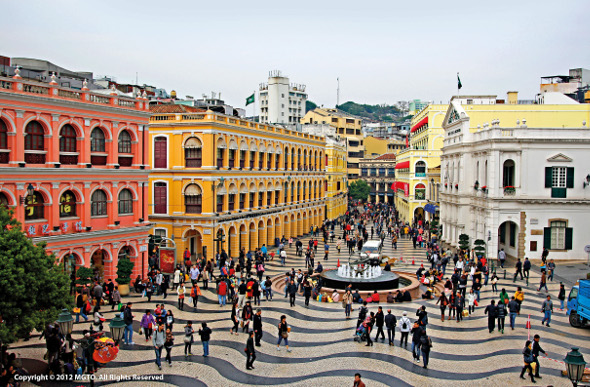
34 136
193 199
67 139
298 190
508 174
3 135
125 202
35 207
286 158
420 169
3 200
420 192
160 198
97 140
124 142
98 202
193 153
67 204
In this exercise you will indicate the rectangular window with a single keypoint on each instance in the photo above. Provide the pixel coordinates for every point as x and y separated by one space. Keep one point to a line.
160 198
220 203
193 157
503 233
559 175
242 200
251 204
260 160
558 234
252 157
160 152
219 157
232 156
260 197
242 158
268 198
230 202
277 197
381 171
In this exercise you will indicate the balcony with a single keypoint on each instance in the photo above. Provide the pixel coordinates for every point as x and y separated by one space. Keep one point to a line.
34 158
125 161
68 159
4 157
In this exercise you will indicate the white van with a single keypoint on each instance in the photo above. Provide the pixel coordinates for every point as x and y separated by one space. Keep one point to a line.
372 250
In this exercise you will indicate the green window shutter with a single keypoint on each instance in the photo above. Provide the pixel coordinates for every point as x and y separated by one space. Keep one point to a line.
548 177
569 233
547 238
570 178
558 192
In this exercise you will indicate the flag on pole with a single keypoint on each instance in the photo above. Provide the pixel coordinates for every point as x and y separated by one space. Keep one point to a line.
459 85
250 99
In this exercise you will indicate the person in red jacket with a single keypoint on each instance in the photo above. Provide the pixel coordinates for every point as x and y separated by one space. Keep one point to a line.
222 292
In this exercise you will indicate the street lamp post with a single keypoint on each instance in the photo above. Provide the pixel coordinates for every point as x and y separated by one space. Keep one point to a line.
65 321
117 327
575 366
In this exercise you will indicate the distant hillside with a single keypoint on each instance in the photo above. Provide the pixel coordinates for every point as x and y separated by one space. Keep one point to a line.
372 112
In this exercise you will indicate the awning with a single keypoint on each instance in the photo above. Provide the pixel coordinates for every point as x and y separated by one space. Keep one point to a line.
233 189
422 122
403 165
243 146
430 208
233 144
193 142
243 188
262 148
252 188
221 143
192 190
253 146
261 188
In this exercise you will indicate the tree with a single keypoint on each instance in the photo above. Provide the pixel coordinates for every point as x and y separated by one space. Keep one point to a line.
84 277
479 247
124 270
359 190
309 105
34 289
463 241
434 227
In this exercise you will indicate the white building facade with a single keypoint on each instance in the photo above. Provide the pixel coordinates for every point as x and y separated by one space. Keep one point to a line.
281 102
516 187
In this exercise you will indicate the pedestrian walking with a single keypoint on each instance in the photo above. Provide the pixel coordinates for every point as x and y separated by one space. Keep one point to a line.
459 305
221 291
379 322
390 324
116 298
147 323
547 309
292 291
443 301
188 338
417 333
257 326
235 318
551 268
128 319
501 313
561 296
158 341
502 257
536 349
181 294
195 293
168 344
494 282
284 330
205 333
518 271
529 359
246 317
514 310
347 301
250 351
543 282
526 267
425 346
491 312
404 328
471 298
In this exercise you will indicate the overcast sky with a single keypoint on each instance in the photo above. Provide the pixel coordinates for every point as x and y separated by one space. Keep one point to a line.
382 51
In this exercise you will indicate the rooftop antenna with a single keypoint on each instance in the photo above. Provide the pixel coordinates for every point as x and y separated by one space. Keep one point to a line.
338 92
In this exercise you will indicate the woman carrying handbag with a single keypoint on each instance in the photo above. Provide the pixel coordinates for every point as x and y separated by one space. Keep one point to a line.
284 330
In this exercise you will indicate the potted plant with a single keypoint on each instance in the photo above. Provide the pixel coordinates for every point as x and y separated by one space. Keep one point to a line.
456 186
84 277
476 185
479 248
484 189
464 242
446 185
124 270
509 190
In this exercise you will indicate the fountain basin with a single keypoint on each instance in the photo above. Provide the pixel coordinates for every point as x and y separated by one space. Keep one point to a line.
387 280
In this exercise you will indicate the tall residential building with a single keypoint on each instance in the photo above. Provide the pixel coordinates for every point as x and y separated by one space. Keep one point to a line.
416 105
415 165
74 168
347 126
516 176
219 182
281 102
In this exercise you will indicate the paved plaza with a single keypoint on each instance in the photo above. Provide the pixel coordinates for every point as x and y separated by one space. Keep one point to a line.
324 353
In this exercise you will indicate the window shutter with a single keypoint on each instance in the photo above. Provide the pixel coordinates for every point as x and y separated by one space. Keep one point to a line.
570 178
548 177
569 233
558 192
547 238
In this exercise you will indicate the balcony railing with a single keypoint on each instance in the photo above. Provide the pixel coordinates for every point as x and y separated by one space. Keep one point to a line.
68 159
34 158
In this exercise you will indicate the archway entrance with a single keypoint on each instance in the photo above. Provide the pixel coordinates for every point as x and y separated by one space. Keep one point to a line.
69 261
508 238
419 215
195 244
97 264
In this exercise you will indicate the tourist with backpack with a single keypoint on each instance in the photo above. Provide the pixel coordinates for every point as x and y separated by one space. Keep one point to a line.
404 327
425 346
390 324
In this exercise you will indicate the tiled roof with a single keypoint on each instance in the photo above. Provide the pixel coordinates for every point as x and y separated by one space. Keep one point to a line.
386 156
170 108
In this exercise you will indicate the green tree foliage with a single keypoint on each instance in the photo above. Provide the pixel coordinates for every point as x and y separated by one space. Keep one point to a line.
33 288
479 247
124 270
309 105
84 277
434 229
463 241
373 112
359 190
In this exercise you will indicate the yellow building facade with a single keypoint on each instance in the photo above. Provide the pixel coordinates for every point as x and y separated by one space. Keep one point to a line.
220 182
415 165
336 172
346 126
375 146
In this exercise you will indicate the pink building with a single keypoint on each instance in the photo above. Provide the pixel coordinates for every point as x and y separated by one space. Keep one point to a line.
74 169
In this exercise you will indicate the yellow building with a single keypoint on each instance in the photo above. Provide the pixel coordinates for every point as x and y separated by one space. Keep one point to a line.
375 146
336 171
219 177
415 165
347 126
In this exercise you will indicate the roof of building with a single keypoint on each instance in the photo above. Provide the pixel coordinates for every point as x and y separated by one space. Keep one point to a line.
386 156
169 108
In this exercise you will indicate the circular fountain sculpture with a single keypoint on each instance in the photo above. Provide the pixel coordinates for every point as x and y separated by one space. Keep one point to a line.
361 277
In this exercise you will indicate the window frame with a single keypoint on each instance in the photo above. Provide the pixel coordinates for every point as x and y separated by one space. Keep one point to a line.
125 205
98 207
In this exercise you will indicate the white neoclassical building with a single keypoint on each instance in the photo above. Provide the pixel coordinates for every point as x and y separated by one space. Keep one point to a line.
517 176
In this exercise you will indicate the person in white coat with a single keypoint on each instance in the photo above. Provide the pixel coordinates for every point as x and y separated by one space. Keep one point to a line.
404 325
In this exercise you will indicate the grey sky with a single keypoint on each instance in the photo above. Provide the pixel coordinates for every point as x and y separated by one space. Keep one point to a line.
383 51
